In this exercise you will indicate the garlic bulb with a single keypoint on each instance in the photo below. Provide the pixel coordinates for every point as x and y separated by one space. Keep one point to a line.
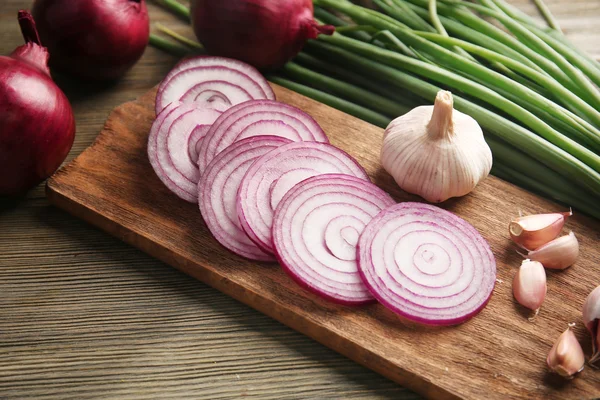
436 151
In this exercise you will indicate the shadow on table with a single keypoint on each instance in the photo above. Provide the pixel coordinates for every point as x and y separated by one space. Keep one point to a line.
10 203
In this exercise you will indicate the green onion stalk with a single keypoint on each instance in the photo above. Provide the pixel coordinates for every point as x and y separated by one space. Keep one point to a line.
483 92
382 65
490 36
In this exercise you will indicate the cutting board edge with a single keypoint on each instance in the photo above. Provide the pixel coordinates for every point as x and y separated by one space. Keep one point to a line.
341 345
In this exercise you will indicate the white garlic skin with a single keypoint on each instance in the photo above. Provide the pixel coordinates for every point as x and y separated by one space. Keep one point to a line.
437 158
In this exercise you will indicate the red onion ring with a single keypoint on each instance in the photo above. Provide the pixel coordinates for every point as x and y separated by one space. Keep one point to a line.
196 139
275 173
212 82
168 146
218 188
315 231
258 117
426 264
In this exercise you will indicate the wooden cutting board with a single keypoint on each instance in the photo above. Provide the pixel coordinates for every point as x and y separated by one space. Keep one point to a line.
497 355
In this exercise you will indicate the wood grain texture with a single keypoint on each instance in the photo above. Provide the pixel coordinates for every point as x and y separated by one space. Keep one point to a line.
112 186
83 315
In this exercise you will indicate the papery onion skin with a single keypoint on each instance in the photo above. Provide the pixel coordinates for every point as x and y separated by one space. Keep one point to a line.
37 126
217 189
315 259
258 115
263 33
93 39
419 221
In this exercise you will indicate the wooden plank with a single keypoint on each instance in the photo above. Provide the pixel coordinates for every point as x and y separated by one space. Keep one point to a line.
83 315
499 354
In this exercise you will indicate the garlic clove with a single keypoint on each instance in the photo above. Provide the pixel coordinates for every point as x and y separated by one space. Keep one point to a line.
559 253
533 231
529 285
435 151
591 319
566 357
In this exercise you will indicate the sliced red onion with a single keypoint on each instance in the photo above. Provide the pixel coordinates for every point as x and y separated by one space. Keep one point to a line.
275 173
212 82
316 229
196 139
426 264
258 117
168 146
218 188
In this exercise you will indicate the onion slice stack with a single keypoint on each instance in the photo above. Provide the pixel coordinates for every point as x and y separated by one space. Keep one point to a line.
169 146
218 188
212 82
426 264
258 117
316 229
275 173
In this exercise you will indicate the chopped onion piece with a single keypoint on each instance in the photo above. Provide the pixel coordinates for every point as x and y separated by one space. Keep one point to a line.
316 229
275 173
218 188
426 264
212 82
169 146
258 117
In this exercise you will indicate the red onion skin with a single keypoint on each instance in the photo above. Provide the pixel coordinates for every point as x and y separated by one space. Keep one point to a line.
37 127
93 39
263 33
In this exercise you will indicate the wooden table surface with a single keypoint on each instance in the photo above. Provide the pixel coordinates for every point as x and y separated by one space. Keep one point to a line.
83 315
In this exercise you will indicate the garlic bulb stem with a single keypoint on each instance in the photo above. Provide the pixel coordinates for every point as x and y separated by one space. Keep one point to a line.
441 125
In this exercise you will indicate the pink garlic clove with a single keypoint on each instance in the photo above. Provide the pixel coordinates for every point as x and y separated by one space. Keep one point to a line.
533 231
566 356
559 253
529 285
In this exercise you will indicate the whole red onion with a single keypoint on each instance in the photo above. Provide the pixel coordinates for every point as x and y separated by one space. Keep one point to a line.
37 127
93 39
264 33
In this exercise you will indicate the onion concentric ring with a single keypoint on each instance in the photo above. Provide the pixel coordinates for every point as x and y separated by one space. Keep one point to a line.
426 264
218 188
316 229
258 117
212 82
169 146
275 173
